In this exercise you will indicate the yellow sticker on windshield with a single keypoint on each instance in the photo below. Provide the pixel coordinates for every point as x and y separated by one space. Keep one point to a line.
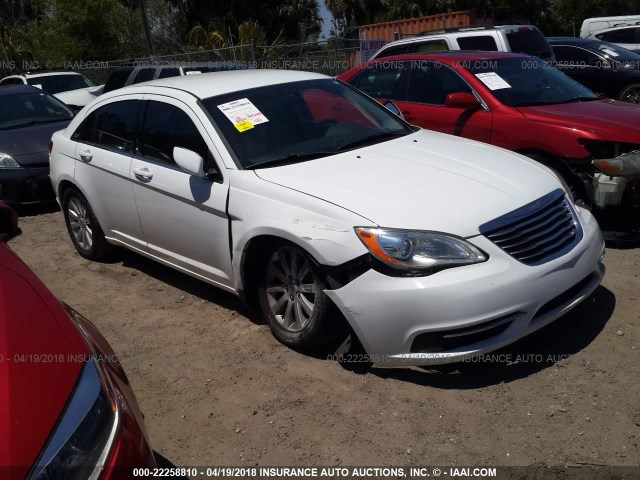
244 126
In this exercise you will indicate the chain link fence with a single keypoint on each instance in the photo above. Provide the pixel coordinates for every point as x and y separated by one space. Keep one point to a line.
330 57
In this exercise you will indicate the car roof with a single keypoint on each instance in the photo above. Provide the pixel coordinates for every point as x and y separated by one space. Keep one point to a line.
46 74
573 40
14 89
206 85
453 56
610 29
461 31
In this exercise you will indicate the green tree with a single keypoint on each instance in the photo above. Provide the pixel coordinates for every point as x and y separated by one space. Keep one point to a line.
89 30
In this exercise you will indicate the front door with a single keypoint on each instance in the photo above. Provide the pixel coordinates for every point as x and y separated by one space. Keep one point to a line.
424 106
183 217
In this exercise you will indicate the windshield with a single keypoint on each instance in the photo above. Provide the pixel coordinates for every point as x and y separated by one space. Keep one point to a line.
522 82
299 121
615 53
531 42
59 83
28 109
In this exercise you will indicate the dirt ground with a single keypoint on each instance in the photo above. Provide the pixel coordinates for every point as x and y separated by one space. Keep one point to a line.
218 389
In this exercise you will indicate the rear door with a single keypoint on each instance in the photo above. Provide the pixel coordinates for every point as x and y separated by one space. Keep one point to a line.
183 217
106 140
424 104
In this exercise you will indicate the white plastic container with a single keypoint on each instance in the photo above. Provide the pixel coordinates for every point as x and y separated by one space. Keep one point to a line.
608 191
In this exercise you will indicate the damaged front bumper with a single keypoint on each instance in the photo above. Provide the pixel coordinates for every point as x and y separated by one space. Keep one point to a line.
617 174
464 312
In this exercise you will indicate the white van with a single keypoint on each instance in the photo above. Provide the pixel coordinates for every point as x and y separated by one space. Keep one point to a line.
591 25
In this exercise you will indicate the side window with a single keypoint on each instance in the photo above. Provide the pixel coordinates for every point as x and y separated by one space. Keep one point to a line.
432 46
385 80
169 72
166 126
144 75
624 35
484 43
431 85
117 79
575 56
390 52
112 126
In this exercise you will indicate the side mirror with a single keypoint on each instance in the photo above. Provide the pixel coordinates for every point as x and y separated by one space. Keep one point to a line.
189 161
393 108
8 223
463 100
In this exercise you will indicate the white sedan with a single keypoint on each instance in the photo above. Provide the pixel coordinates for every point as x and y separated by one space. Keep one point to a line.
316 204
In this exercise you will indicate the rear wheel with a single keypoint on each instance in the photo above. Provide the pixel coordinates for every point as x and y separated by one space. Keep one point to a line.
83 227
630 93
292 299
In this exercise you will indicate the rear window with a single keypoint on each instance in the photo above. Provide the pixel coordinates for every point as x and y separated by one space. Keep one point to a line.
145 75
59 83
531 42
117 79
485 43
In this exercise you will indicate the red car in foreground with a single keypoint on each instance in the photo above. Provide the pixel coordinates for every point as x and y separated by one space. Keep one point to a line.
66 407
516 102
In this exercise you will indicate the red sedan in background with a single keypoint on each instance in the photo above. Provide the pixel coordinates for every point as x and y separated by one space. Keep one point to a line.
66 407
516 102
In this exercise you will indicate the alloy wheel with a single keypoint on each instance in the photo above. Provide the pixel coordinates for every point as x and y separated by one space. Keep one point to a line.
632 95
80 223
291 288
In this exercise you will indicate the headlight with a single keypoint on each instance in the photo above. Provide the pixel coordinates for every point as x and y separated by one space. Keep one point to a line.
7 161
418 251
82 440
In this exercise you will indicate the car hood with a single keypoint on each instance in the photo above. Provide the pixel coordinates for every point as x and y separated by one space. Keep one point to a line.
424 181
36 374
81 96
29 145
613 120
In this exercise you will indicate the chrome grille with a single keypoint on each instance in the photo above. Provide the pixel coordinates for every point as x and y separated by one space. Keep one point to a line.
538 232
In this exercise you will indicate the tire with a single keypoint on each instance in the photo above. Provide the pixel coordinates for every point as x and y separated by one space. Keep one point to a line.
292 299
578 187
83 227
630 93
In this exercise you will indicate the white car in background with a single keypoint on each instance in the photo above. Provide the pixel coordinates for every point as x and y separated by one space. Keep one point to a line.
71 88
315 203
591 25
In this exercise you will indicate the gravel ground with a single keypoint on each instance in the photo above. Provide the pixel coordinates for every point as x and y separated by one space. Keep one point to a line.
218 389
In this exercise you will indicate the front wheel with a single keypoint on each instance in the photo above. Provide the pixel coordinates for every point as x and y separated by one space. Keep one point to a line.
292 299
630 93
83 227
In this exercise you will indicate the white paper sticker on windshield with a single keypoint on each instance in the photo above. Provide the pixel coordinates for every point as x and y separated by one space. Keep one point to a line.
38 85
492 80
608 51
243 114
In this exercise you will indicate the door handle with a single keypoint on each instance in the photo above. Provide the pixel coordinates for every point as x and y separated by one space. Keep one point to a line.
143 173
86 155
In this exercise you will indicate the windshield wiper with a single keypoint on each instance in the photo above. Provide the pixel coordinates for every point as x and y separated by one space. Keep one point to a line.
370 139
289 159
580 99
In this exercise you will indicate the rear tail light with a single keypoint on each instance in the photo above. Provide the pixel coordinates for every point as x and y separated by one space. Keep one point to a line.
50 148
